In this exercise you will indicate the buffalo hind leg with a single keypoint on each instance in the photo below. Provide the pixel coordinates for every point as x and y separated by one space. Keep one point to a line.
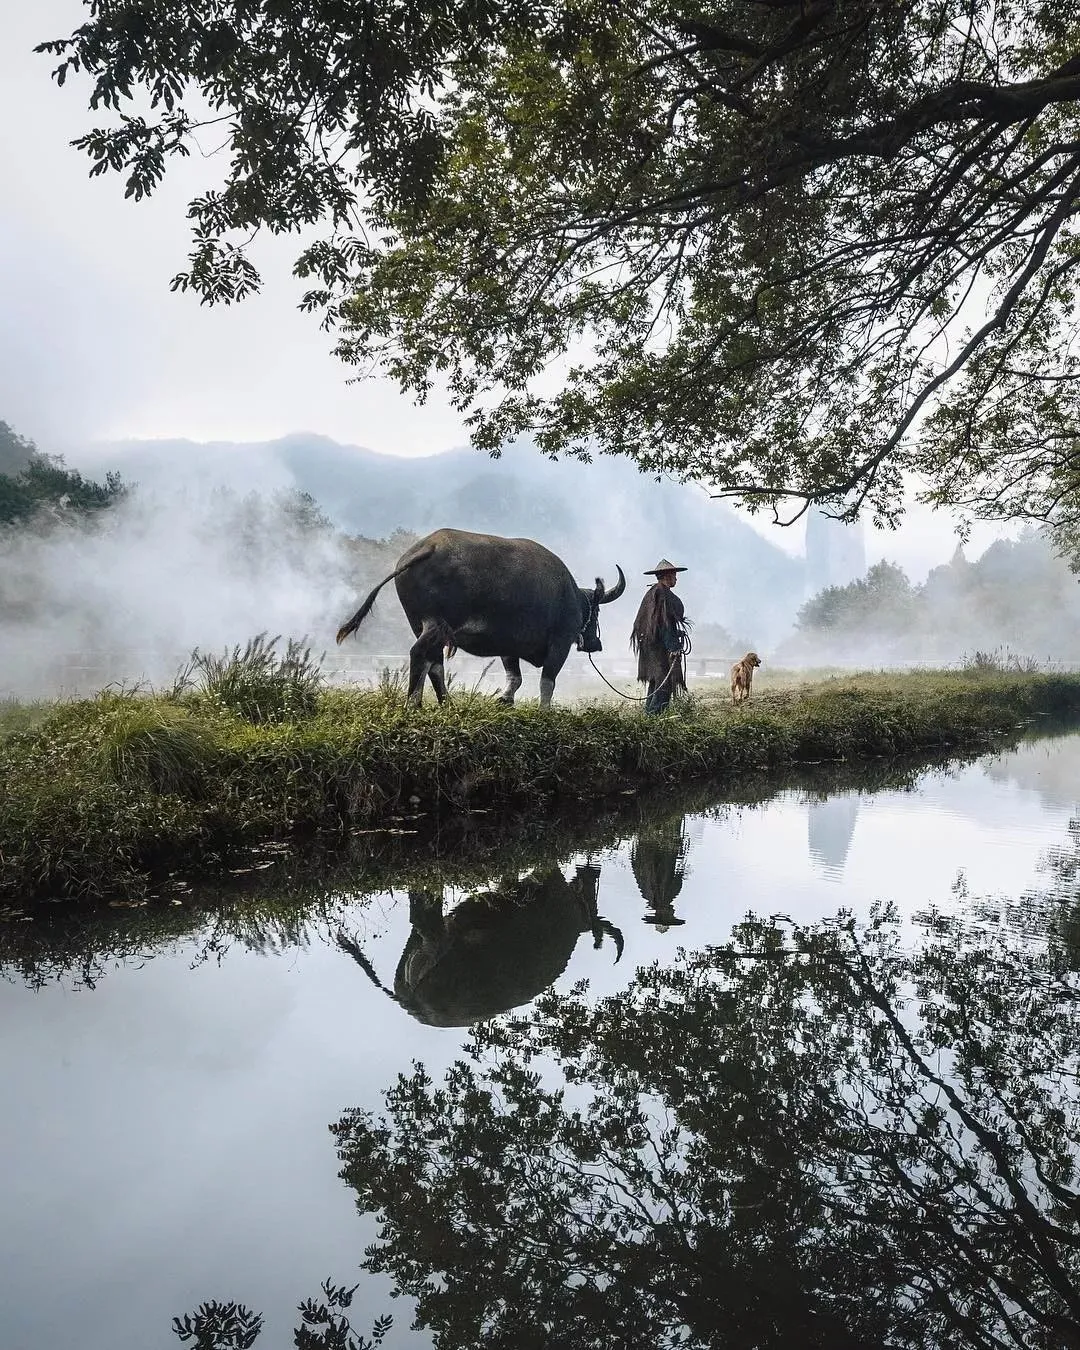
425 653
437 676
512 666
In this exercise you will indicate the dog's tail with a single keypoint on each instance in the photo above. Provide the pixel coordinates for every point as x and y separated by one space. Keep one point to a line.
347 629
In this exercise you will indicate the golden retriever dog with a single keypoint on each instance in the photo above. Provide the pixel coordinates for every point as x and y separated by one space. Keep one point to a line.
742 676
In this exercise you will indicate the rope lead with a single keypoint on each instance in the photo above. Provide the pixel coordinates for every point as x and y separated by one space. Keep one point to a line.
684 650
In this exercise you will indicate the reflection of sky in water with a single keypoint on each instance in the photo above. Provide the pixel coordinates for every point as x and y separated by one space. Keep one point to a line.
165 1135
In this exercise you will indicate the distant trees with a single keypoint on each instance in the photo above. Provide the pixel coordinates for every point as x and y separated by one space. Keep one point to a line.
1019 594
46 485
304 512
33 484
884 600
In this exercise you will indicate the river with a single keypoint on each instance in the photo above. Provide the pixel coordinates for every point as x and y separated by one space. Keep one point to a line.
724 1151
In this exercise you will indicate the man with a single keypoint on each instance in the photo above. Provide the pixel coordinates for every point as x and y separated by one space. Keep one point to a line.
659 638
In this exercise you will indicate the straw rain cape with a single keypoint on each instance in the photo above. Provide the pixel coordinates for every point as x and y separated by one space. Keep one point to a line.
659 633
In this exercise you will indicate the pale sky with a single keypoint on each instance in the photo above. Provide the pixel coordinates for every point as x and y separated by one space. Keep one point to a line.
94 346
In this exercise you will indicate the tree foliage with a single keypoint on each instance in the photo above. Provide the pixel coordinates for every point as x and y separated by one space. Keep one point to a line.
806 1136
883 600
795 249
33 483
324 1324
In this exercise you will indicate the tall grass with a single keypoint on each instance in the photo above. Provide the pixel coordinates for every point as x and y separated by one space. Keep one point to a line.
257 682
108 795
156 745
1002 660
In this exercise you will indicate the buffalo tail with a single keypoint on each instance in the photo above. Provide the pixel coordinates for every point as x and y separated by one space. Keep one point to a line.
347 629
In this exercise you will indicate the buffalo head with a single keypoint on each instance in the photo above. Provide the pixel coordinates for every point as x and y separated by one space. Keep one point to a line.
589 637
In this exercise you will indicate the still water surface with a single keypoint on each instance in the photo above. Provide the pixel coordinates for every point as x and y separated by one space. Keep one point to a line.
166 1123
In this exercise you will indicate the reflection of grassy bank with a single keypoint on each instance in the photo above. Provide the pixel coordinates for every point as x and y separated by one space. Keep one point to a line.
110 795
280 897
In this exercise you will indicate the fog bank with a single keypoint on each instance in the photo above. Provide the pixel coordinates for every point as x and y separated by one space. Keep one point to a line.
128 594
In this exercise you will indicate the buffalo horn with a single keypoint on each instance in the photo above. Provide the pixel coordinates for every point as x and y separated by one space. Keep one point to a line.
616 590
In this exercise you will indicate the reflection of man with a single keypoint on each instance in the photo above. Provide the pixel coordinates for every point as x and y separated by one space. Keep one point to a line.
658 862
659 638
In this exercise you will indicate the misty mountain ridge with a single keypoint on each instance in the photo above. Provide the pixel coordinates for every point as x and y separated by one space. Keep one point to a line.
216 542
593 515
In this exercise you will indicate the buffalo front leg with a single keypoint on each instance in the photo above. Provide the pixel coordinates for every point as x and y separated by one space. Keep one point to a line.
426 914
549 673
437 676
512 666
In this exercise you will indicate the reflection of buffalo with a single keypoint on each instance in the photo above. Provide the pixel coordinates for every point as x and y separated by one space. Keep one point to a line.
493 951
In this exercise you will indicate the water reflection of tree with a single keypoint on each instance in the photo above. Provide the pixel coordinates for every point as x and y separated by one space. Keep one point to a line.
805 1137
1063 865
324 1324
1048 914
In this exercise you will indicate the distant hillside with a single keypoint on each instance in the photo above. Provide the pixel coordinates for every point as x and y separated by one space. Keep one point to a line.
38 488
593 515
16 451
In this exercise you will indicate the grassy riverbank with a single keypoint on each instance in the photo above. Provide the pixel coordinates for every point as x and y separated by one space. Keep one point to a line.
107 796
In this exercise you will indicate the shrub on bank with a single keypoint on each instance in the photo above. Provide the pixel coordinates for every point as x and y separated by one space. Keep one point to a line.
258 683
109 793
156 745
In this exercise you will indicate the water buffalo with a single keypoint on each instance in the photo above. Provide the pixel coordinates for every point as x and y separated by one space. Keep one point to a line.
510 598
493 951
